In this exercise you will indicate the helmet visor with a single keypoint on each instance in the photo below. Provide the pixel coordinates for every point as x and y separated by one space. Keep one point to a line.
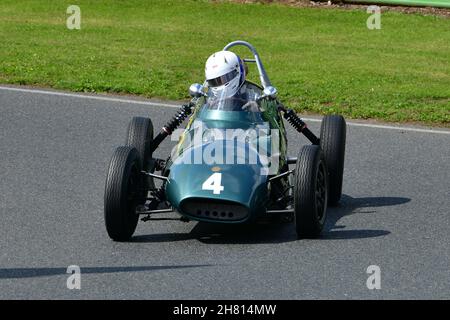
220 81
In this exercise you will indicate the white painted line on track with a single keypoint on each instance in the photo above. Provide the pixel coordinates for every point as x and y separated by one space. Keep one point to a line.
382 126
167 105
86 96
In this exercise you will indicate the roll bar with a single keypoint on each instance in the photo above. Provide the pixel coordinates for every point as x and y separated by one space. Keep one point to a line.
265 82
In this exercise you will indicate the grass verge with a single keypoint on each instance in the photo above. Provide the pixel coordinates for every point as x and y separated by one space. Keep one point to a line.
320 60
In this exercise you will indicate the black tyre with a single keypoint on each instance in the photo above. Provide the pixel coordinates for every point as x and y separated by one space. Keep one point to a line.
310 192
140 136
332 141
123 192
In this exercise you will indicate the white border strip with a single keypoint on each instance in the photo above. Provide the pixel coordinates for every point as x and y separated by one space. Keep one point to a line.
94 97
382 126
161 104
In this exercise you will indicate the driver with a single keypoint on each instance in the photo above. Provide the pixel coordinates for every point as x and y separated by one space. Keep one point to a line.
225 74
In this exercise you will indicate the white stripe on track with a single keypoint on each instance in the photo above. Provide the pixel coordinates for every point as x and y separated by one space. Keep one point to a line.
167 105
87 96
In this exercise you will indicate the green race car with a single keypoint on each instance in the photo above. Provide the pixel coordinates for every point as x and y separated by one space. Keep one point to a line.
230 164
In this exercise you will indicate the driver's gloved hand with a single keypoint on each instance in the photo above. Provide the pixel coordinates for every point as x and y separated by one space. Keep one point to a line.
251 106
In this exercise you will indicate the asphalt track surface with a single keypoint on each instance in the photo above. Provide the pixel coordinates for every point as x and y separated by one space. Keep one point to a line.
55 150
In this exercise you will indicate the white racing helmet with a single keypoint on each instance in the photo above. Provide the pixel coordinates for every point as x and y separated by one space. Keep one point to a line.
225 74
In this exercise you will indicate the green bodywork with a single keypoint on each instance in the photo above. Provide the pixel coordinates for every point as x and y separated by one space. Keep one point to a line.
243 183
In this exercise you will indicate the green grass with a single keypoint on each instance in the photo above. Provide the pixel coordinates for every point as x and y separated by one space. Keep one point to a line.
321 60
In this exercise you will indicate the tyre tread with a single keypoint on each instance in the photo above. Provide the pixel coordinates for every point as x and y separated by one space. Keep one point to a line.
332 141
119 227
306 222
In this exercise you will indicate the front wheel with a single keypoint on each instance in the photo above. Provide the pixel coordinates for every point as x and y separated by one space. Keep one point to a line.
310 192
332 142
123 192
140 136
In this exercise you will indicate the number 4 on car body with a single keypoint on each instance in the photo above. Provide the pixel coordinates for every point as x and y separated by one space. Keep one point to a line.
213 183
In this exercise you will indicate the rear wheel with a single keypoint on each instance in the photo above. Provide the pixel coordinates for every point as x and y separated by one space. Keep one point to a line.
140 136
310 192
123 192
332 142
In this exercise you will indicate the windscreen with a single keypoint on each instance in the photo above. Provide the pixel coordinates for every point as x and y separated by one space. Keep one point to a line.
243 100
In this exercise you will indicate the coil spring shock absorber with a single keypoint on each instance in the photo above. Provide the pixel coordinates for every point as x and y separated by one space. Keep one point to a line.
294 120
299 125
178 119
174 123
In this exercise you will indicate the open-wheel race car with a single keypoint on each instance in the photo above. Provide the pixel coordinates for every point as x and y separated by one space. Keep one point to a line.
230 164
